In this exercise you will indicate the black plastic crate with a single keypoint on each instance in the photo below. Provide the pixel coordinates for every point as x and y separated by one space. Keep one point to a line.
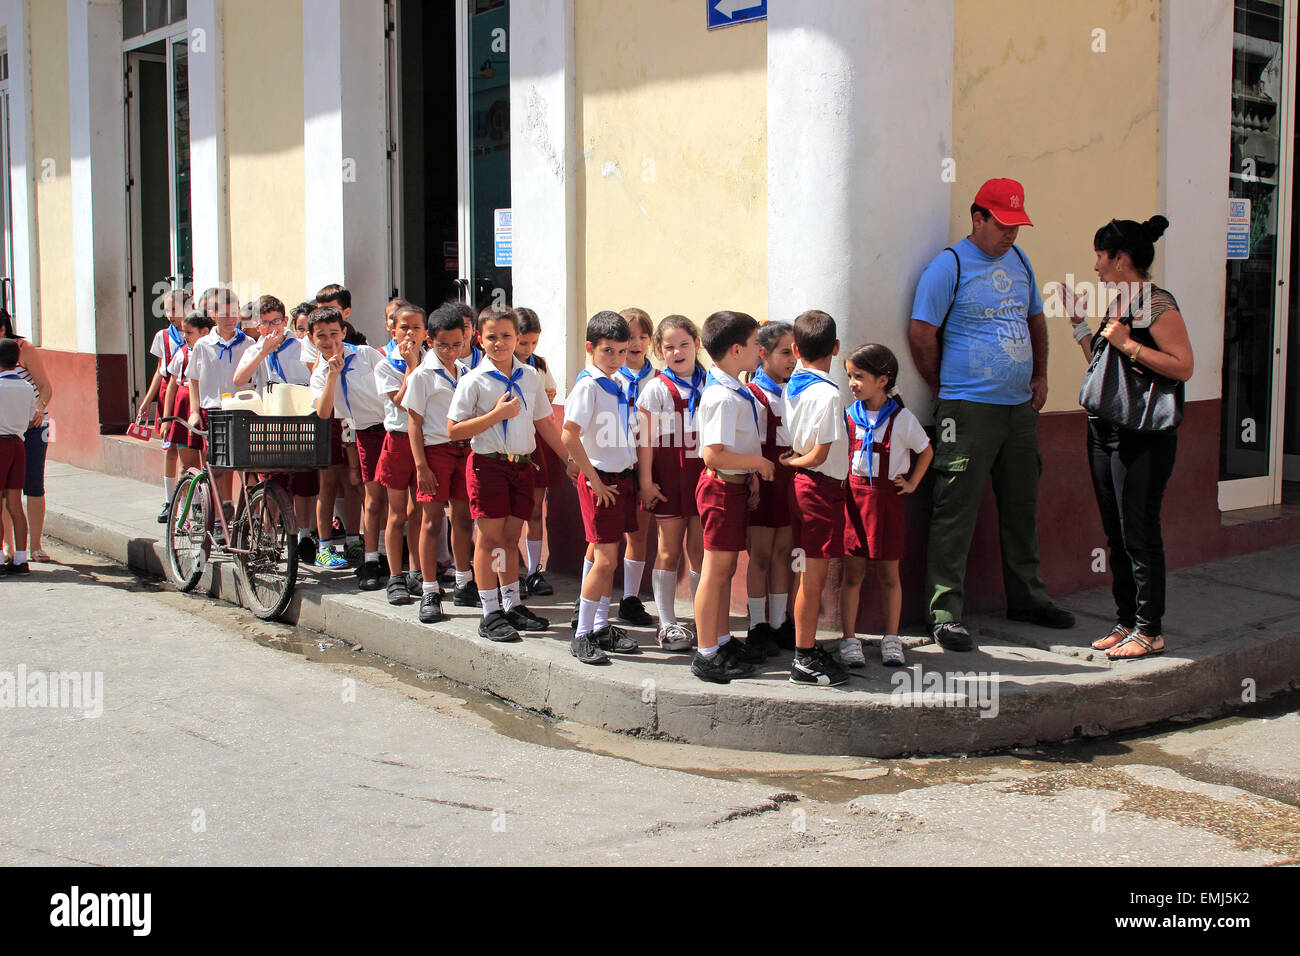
251 442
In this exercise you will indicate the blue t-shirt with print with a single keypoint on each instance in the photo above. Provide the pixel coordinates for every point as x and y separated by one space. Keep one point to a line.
986 351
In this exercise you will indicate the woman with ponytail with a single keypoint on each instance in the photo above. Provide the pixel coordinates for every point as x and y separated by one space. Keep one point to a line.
1131 468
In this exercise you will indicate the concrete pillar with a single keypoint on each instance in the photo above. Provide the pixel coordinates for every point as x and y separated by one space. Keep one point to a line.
857 137
209 185
22 172
543 177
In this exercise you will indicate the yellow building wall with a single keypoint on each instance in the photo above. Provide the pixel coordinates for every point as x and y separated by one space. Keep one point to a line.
264 146
1077 127
51 150
672 197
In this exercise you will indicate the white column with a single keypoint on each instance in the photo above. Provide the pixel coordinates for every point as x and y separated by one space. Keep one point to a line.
345 132
543 174
1195 116
209 186
859 114
98 174
23 170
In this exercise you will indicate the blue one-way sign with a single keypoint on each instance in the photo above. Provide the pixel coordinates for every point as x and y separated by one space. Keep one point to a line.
725 13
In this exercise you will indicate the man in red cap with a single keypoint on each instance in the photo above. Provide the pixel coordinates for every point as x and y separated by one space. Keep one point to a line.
980 300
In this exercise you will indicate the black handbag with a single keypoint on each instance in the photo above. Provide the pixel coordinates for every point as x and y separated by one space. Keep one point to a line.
1127 394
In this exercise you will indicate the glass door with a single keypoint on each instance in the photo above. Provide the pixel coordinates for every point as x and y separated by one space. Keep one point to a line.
1258 255
485 150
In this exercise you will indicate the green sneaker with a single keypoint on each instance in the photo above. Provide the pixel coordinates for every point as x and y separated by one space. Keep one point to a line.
355 553
329 558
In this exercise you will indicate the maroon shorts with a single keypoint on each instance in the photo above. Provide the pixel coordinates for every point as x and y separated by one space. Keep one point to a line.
549 469
178 434
606 524
300 484
677 483
819 503
723 507
337 455
877 520
773 509
396 463
13 462
499 489
370 443
448 463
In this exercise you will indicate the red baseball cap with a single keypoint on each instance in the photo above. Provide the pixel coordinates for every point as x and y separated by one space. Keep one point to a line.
1005 199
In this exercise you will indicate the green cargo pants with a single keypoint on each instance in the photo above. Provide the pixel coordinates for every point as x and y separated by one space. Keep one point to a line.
974 441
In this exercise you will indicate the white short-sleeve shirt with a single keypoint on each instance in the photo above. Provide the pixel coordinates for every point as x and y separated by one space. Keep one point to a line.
605 433
777 404
726 418
361 402
290 357
428 394
17 404
388 379
815 418
477 393
907 439
164 346
213 366
656 399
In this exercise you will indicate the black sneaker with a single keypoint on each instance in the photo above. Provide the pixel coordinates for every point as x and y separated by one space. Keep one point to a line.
762 635
953 636
1044 615
307 551
818 668
497 627
631 609
539 585
12 567
431 608
370 576
784 635
573 620
745 651
414 584
523 585
466 596
586 650
522 619
611 638
397 593
165 513
720 668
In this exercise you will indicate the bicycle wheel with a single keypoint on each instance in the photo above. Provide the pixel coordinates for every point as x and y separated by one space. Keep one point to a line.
268 533
189 520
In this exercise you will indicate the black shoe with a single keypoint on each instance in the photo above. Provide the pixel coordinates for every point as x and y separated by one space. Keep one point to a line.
307 551
370 576
586 650
1044 615
573 620
953 636
818 668
497 627
615 639
414 584
165 513
784 635
745 651
631 609
466 596
13 568
522 619
431 608
539 585
762 635
720 668
523 586
397 593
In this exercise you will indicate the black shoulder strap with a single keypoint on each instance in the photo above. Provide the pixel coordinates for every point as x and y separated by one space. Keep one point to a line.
955 287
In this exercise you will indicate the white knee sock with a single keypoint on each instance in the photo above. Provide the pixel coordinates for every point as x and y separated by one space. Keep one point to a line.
776 604
665 588
510 596
632 574
490 601
602 613
534 555
757 611
587 615
169 485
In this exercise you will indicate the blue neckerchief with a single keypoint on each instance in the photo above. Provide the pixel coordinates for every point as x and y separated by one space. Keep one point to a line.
611 387
512 385
439 370
174 334
743 392
391 350
228 351
13 375
694 387
634 380
274 359
766 382
343 375
391 347
858 413
532 360
475 356
802 379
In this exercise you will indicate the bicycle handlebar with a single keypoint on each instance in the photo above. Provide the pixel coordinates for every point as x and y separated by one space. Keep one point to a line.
172 418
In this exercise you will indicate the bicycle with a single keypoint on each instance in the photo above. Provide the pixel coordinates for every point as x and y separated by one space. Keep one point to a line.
261 537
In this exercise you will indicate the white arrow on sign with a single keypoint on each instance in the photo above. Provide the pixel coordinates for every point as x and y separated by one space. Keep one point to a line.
729 8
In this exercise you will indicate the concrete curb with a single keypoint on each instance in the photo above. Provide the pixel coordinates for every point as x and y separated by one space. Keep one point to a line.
1044 692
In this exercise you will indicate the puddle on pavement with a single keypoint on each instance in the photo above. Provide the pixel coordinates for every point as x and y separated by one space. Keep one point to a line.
829 779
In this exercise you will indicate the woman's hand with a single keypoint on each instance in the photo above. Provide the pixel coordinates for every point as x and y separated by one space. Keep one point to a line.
1116 333
1076 307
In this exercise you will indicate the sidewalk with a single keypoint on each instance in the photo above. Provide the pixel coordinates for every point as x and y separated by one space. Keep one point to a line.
1235 636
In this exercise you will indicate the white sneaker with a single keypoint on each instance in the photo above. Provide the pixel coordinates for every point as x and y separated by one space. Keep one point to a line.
891 650
675 637
851 652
